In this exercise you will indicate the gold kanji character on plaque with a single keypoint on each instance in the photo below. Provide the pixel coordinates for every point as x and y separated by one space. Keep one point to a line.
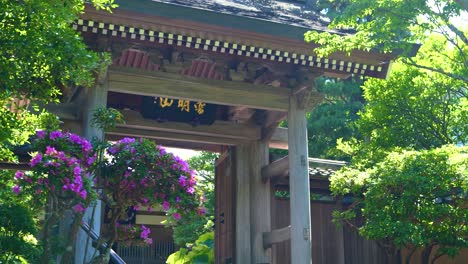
165 102
200 108
184 105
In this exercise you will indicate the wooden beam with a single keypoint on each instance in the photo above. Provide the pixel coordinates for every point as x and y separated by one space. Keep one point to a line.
279 140
185 137
299 184
175 143
276 236
95 98
14 166
133 81
243 225
260 198
226 129
276 169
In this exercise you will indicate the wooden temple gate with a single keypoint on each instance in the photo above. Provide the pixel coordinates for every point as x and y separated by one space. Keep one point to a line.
200 75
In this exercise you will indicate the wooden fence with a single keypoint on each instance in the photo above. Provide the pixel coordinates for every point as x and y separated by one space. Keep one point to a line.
330 244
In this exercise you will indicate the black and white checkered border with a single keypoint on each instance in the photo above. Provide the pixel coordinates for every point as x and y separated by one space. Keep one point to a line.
224 47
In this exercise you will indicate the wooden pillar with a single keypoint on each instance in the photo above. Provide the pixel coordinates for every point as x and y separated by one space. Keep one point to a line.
96 98
242 254
260 213
299 184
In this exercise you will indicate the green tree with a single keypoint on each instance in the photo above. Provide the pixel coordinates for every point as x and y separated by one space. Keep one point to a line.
394 25
334 118
409 185
412 199
189 229
41 56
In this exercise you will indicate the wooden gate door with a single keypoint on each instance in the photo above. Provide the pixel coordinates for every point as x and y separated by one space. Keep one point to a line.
225 208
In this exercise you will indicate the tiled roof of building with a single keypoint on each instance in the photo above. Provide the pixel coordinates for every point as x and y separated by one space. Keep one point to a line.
295 13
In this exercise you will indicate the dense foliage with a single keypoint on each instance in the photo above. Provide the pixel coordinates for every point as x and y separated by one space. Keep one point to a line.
187 230
334 119
411 199
140 173
40 52
202 251
407 176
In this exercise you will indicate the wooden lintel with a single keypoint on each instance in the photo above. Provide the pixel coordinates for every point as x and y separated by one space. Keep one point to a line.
279 140
164 135
276 236
278 168
175 143
14 166
125 80
68 111
217 129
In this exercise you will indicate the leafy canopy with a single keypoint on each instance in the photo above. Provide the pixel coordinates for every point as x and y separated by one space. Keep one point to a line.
415 198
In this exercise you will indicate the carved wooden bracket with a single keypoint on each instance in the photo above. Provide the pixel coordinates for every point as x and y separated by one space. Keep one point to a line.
309 99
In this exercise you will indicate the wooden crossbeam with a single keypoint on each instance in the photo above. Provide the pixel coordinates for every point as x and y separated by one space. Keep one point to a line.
164 135
217 129
276 236
280 168
125 80
276 169
279 140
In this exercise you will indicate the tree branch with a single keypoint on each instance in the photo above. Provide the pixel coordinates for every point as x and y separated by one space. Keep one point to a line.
458 32
448 74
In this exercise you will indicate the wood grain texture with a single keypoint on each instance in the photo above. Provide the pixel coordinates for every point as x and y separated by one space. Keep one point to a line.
278 168
243 194
218 128
276 236
95 98
260 211
191 88
299 184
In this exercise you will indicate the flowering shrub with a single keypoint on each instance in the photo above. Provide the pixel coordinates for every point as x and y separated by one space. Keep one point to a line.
60 181
139 172
60 170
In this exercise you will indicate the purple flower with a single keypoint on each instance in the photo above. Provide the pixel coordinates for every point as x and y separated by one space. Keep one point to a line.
176 216
50 150
90 160
55 134
182 181
178 199
126 140
16 189
190 190
112 150
166 205
19 175
75 138
77 171
36 160
83 194
40 134
201 211
78 208
145 232
148 241
86 146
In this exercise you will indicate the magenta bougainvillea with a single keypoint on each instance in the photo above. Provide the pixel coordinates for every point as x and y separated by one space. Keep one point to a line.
60 170
128 173
142 173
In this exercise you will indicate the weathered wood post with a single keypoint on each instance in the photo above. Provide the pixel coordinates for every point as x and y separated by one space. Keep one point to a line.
96 98
299 183
260 213
242 240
